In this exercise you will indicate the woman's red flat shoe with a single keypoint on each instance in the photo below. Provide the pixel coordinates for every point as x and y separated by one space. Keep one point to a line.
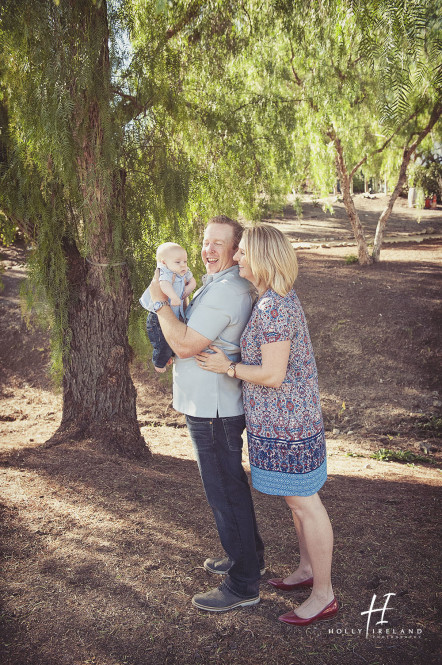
278 583
324 615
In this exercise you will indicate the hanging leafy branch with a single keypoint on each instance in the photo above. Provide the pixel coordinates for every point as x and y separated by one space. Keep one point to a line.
351 71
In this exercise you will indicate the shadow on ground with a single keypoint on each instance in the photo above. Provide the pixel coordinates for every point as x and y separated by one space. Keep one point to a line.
317 223
104 571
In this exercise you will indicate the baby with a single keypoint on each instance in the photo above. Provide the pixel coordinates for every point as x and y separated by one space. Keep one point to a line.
177 283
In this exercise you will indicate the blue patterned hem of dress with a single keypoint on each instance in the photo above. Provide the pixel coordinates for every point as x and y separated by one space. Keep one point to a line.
289 484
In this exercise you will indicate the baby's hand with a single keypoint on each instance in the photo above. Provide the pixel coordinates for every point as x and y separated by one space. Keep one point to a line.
190 286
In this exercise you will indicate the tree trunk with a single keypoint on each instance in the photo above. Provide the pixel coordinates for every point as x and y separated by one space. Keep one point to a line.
358 231
99 398
408 153
383 219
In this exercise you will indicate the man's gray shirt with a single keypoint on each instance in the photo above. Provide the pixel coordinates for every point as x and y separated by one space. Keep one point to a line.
219 311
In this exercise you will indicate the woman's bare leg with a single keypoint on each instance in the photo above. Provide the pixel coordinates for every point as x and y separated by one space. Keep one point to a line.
304 570
317 538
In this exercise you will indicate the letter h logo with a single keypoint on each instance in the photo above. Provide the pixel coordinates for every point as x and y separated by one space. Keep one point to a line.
379 609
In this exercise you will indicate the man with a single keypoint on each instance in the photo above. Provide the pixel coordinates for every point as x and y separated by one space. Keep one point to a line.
214 412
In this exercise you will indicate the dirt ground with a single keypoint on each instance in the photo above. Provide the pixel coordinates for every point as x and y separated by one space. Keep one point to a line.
101 556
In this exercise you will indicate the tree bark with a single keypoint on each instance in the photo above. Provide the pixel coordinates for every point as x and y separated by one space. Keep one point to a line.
382 222
358 232
407 155
99 398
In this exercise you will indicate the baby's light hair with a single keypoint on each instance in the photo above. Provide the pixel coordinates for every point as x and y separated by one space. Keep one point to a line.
163 249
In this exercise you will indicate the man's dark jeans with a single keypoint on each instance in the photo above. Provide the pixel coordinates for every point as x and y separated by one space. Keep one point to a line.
161 351
218 448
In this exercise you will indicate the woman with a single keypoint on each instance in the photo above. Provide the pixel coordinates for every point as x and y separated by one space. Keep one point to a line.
283 414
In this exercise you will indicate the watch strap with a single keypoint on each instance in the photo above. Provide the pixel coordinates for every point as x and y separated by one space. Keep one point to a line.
159 304
232 366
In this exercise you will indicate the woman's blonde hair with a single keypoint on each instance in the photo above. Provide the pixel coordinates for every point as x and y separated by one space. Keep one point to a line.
271 257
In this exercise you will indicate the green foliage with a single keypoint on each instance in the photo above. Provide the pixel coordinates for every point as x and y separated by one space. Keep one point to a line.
142 348
113 142
52 82
308 59
387 455
42 300
350 259
361 71
433 425
138 339
428 177
228 152
358 183
403 41
8 230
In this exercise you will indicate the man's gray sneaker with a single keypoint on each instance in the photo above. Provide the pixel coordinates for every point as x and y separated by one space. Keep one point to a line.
222 600
221 565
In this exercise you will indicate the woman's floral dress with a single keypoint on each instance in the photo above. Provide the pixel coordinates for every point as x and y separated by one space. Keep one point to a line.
285 430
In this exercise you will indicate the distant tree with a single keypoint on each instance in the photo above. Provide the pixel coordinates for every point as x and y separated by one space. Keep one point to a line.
411 144
426 174
360 77
403 43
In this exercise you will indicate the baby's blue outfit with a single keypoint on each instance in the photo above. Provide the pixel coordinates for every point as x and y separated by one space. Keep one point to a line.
178 286
161 351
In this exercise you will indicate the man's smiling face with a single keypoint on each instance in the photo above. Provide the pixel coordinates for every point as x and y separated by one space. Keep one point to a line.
218 250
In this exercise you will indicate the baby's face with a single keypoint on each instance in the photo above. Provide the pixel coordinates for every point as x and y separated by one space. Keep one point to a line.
176 261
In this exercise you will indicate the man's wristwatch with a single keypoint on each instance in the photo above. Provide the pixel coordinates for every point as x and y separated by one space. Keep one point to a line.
232 370
159 304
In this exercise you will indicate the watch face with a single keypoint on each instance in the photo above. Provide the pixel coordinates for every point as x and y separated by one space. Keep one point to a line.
157 306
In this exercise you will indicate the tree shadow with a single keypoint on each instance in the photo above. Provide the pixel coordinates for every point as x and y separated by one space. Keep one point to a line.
104 564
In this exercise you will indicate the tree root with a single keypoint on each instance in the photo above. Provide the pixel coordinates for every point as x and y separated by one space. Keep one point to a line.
113 437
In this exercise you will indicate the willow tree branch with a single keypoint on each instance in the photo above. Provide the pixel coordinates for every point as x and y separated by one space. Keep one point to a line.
190 14
28 228
384 145
298 80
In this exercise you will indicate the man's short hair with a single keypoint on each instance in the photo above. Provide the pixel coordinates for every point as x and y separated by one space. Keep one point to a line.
236 226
